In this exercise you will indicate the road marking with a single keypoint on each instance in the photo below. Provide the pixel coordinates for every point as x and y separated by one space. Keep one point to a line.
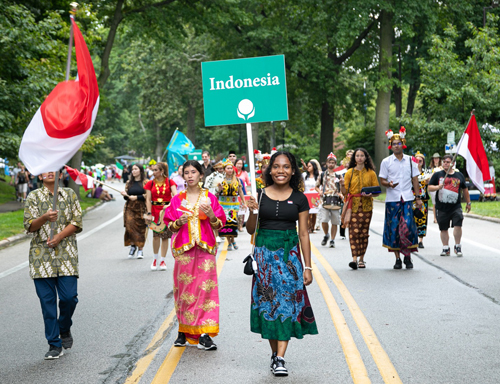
168 366
353 357
382 360
78 238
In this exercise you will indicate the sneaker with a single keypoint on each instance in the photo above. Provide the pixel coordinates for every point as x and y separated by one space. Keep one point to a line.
206 343
446 252
163 266
140 254
278 367
235 245
408 263
67 340
273 356
458 251
325 240
54 353
332 243
219 239
154 266
132 251
399 264
230 247
181 340
421 245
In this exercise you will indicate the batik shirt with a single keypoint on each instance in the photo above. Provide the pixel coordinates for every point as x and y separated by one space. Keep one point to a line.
329 183
45 262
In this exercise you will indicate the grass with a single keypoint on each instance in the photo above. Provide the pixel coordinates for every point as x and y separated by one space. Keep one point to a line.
11 223
7 192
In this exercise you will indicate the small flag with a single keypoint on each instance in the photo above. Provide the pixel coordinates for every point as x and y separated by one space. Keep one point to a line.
80 178
119 170
180 144
63 122
471 148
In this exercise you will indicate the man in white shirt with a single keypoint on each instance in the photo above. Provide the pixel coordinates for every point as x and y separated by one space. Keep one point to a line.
398 173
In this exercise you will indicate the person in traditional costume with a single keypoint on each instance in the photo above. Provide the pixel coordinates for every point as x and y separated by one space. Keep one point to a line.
398 173
310 176
423 180
358 207
262 161
280 306
347 159
215 178
241 174
134 211
159 192
229 191
192 216
435 166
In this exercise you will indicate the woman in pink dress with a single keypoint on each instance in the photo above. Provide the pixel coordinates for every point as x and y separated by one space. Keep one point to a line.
192 216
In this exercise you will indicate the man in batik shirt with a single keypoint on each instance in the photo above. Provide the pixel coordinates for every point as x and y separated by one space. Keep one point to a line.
53 262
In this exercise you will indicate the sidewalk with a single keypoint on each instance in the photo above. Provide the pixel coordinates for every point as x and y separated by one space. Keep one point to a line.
11 206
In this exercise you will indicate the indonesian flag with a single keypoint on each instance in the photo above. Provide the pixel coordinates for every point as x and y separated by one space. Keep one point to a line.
119 170
471 148
340 170
64 121
80 178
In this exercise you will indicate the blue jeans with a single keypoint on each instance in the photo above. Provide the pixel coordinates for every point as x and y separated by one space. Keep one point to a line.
47 291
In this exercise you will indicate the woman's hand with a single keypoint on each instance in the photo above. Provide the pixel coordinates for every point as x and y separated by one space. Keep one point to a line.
308 278
206 208
341 181
219 186
366 194
183 219
252 204
304 165
132 198
124 194
148 219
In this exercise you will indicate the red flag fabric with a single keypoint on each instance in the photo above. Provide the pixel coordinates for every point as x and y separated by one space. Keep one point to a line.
80 178
471 148
65 119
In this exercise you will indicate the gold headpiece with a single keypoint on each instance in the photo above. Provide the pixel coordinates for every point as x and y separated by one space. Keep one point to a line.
396 136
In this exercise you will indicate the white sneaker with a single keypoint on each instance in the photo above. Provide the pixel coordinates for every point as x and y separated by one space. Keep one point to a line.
163 266
154 266
219 239
140 254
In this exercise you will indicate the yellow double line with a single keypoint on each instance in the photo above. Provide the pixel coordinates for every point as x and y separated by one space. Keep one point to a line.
174 355
351 352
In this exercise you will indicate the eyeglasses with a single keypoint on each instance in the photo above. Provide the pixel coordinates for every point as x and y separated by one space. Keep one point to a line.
398 143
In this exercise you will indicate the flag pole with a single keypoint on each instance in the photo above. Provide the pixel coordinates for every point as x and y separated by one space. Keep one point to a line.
68 68
166 149
106 185
472 113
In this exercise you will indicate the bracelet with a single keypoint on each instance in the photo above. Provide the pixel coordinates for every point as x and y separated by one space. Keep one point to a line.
174 227
469 203
217 224
308 268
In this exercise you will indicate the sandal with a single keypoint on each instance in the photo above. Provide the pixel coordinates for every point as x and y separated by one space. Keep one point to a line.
353 265
361 264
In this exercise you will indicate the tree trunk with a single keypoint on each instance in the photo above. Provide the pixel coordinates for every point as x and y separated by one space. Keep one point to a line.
76 162
117 18
159 147
396 91
412 96
384 92
191 129
326 137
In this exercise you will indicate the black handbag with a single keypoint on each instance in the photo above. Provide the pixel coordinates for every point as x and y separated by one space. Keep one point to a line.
373 190
250 264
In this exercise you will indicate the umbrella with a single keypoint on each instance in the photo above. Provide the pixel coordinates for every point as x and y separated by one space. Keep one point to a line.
126 157
99 165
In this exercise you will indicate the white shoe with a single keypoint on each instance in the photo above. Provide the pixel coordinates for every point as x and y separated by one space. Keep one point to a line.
140 254
163 266
154 266
219 239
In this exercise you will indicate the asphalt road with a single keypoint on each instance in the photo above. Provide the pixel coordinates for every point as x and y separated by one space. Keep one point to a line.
437 323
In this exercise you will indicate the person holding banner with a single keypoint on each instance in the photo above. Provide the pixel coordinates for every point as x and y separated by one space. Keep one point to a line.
193 216
229 191
53 262
358 207
280 307
159 192
134 211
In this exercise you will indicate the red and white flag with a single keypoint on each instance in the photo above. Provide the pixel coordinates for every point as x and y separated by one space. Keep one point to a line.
64 121
80 178
471 148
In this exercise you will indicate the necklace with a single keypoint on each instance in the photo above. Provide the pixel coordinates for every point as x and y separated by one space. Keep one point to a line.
158 186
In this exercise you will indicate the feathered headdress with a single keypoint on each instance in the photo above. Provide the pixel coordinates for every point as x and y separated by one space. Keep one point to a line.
401 136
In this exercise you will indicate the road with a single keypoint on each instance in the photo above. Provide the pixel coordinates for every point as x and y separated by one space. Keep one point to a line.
437 323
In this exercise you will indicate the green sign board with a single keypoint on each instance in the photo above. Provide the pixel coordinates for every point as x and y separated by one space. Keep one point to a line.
195 155
243 91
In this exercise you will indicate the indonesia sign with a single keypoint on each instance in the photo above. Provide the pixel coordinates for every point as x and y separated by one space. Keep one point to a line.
243 91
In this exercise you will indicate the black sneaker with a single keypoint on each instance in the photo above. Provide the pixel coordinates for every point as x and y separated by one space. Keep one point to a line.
398 264
332 243
446 252
458 250
325 240
278 367
206 343
273 356
408 263
53 353
181 340
421 245
67 340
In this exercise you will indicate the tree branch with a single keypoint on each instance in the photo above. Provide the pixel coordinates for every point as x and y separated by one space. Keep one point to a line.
355 45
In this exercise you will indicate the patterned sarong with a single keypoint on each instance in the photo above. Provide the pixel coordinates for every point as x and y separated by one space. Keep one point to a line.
400 230
359 232
196 294
280 305
422 222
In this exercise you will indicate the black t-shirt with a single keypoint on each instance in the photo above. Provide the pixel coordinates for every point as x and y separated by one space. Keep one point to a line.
136 189
448 199
282 215
207 171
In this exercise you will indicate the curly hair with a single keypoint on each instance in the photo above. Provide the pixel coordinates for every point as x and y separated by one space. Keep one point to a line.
368 159
296 182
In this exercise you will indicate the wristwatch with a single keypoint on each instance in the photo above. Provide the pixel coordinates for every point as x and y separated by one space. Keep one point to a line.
149 213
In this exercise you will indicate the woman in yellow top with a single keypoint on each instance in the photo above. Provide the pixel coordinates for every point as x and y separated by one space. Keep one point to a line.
358 208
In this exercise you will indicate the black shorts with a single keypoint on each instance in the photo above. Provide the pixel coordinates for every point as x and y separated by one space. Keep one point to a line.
443 218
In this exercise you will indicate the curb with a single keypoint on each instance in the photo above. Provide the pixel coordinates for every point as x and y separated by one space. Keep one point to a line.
23 236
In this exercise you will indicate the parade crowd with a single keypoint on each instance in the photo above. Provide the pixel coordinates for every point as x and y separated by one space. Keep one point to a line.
192 210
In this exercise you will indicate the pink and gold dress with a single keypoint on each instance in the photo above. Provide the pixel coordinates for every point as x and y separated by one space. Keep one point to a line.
194 249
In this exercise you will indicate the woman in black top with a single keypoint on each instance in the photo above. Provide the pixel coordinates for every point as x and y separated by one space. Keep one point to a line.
134 210
280 306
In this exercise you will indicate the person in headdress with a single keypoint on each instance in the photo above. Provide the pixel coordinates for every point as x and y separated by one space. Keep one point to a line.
398 173
423 180
435 166
215 178
262 162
